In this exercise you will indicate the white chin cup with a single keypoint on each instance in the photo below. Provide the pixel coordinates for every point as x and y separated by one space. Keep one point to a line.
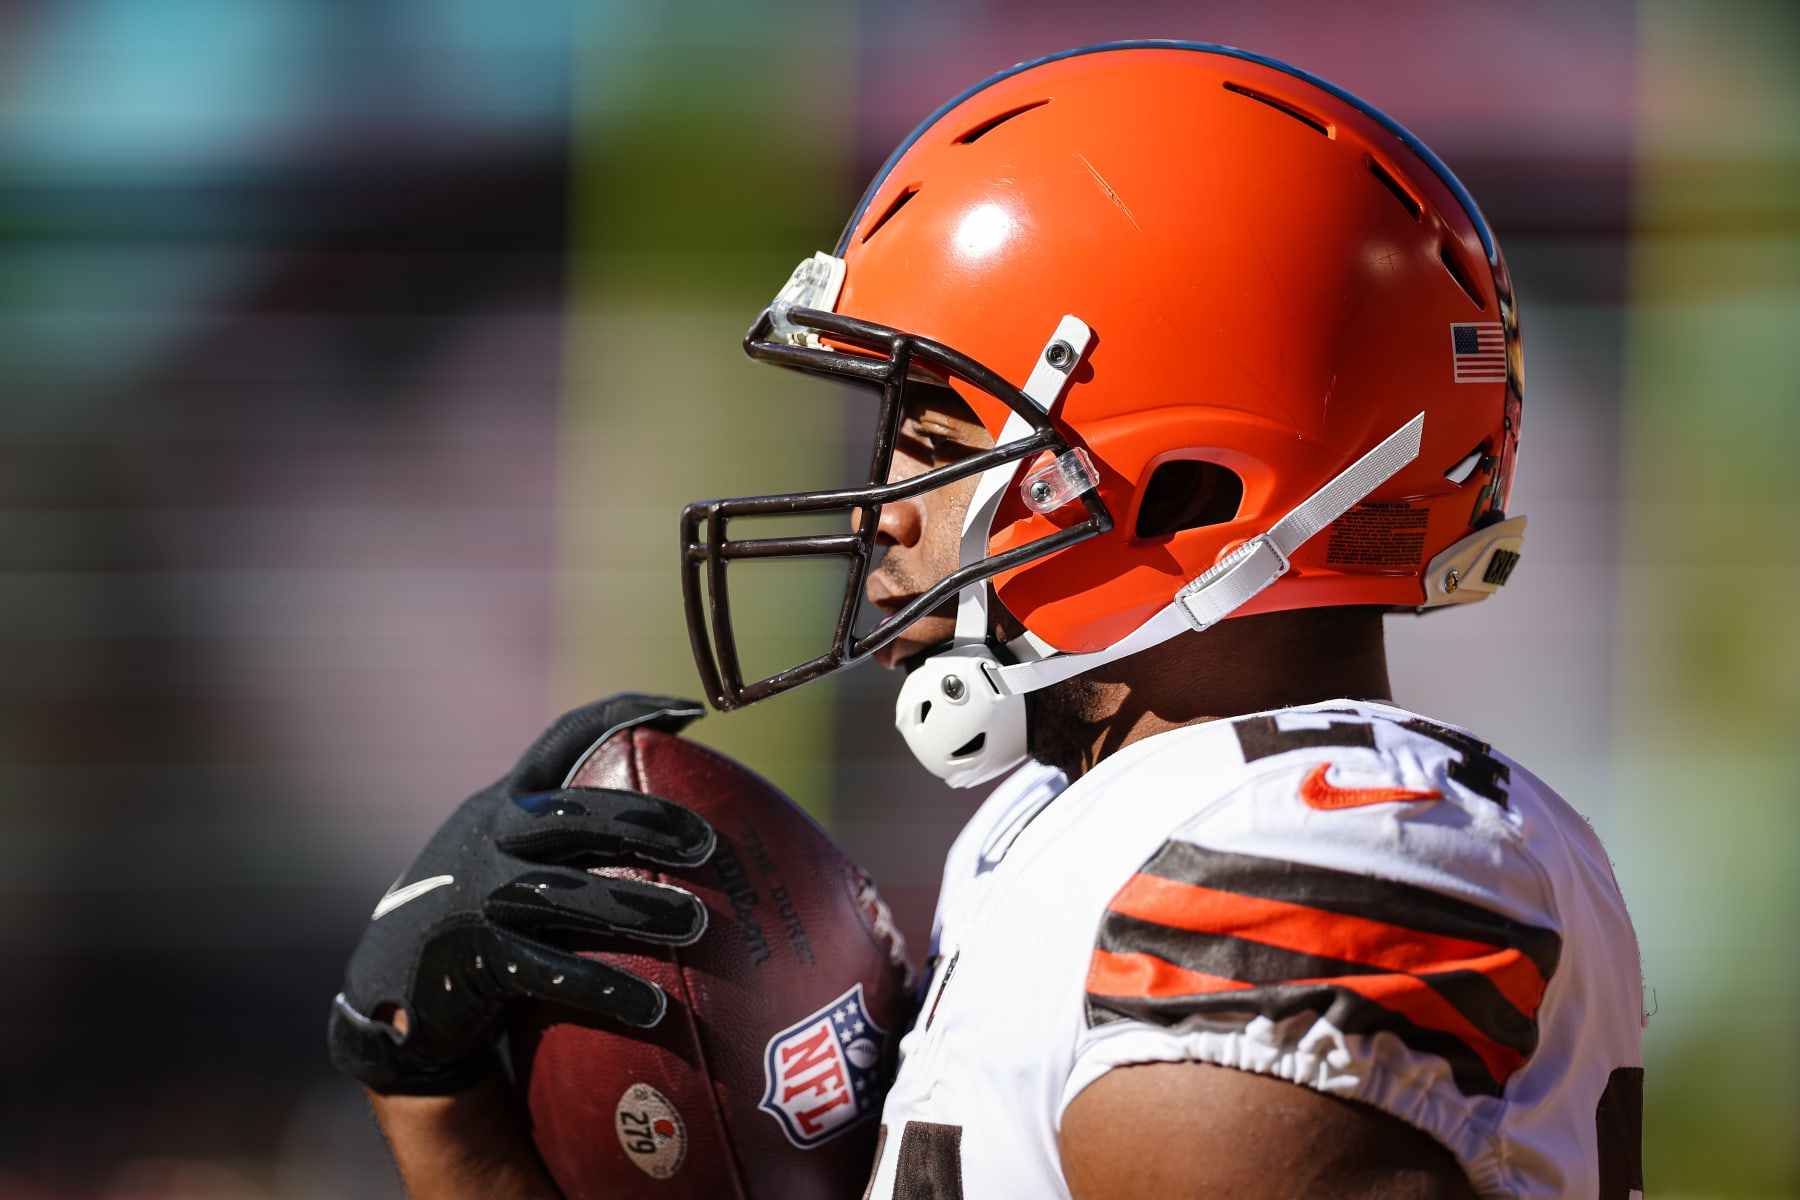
956 722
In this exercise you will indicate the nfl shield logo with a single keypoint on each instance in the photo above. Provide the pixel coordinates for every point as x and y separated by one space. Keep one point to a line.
824 1073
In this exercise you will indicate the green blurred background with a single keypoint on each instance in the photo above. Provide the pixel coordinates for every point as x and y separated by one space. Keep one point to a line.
357 359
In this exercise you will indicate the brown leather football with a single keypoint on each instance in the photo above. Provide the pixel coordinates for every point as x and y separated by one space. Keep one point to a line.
764 1078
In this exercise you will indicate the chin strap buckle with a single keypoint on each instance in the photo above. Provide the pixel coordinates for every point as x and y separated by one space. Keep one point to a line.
1231 581
957 721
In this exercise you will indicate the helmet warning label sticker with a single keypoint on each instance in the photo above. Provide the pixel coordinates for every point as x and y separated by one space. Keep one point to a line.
1378 535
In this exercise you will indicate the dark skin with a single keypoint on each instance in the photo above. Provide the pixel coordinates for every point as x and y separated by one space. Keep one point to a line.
470 1145
1177 1130
1244 665
1192 1130
1168 1130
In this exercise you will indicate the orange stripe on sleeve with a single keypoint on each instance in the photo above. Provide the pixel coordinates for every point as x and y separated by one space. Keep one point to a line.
1314 931
1414 999
1145 975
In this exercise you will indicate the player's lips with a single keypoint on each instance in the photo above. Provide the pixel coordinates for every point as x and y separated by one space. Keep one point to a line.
883 594
891 654
897 651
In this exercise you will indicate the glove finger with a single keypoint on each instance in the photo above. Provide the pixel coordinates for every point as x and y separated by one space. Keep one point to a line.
568 823
534 969
372 1052
571 900
567 741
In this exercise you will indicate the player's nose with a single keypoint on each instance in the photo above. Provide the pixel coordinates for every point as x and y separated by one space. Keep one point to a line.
900 524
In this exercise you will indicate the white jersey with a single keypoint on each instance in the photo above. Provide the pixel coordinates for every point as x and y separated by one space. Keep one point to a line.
1344 895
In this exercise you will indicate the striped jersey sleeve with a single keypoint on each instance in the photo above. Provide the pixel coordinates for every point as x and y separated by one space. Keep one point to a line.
1356 901
1375 906
1200 932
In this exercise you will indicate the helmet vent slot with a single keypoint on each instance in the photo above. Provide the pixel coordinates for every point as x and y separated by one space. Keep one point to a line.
898 204
992 123
972 746
1412 206
1453 264
1459 474
1299 114
1188 493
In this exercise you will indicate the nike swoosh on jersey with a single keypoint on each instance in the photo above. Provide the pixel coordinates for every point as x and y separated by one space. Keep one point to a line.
1317 792
397 895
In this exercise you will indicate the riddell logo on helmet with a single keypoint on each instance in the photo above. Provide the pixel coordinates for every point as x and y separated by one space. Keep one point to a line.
822 1074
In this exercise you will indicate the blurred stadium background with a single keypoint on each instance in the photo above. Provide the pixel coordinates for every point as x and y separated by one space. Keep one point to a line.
355 360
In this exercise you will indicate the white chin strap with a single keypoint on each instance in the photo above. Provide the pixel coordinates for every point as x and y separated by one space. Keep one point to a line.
954 718
1237 577
962 712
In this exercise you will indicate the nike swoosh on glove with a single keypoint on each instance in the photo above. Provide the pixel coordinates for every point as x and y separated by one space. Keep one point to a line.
470 925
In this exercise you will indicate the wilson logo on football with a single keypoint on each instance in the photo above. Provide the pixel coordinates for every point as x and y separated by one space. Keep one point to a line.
823 1074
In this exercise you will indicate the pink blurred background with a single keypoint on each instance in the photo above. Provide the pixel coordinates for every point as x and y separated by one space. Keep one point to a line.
359 359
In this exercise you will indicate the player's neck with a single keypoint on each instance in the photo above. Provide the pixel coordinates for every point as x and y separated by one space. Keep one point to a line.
1243 665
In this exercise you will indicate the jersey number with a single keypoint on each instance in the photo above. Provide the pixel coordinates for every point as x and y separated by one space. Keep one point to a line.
1475 768
1619 1130
930 1163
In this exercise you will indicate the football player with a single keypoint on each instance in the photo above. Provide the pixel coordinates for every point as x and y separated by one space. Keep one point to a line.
1191 366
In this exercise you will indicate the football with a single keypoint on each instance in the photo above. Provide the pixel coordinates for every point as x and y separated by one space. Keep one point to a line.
765 1076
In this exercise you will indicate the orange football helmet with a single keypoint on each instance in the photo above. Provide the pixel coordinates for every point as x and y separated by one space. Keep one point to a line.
1186 288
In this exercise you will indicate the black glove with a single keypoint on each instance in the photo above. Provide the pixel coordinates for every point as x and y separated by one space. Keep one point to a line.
460 933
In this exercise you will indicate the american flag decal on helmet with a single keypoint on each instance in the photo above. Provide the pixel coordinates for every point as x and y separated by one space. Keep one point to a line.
1200 931
1478 352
